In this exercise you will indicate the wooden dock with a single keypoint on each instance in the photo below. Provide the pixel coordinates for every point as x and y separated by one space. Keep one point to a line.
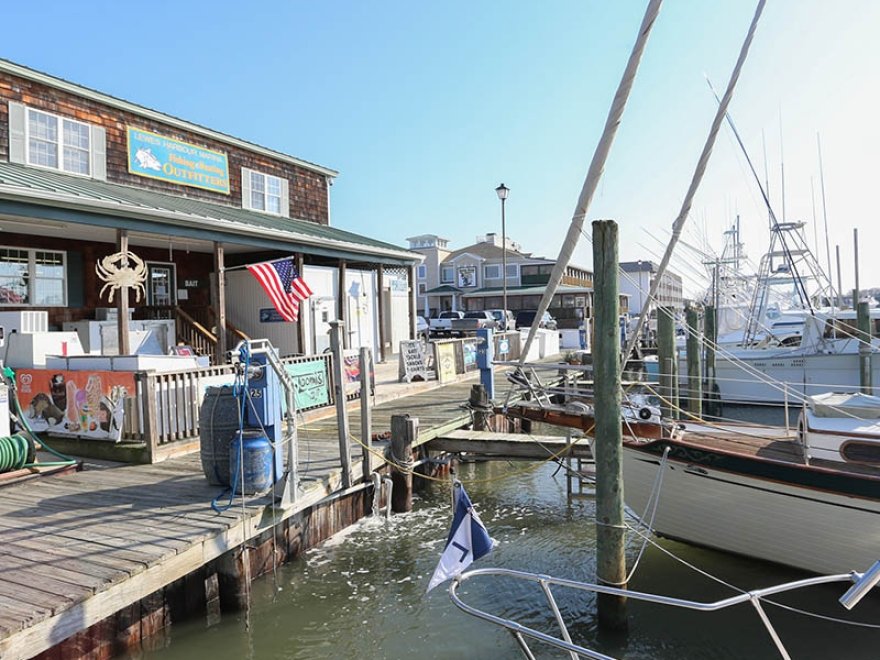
511 446
80 549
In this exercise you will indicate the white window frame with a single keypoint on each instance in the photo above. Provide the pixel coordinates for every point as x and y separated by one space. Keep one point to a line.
59 148
422 288
266 178
451 278
422 272
32 276
495 273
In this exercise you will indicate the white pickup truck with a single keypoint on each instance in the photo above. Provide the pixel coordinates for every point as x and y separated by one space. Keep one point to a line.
442 325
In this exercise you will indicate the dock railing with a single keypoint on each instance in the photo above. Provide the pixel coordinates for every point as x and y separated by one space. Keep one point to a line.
164 412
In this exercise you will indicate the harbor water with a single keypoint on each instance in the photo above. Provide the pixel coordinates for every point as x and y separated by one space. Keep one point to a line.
362 593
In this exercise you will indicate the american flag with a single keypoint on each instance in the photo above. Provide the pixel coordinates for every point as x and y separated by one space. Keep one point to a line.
283 284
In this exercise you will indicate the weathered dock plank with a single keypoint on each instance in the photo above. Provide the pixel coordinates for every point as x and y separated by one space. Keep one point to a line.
511 445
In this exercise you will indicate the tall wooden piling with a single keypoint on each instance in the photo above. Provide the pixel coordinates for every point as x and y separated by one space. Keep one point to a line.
666 358
337 330
610 528
404 431
695 371
366 366
863 318
710 329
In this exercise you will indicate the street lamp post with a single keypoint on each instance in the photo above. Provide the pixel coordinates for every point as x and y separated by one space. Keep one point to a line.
502 191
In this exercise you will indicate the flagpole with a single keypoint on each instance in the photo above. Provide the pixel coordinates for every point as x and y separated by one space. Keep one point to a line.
272 261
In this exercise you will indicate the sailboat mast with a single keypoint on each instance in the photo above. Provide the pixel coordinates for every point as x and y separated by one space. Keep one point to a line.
700 170
597 165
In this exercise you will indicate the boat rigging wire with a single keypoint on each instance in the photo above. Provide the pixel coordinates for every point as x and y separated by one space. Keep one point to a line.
697 178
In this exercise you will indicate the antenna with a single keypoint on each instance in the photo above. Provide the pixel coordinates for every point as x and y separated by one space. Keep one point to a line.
824 207
815 224
766 178
781 164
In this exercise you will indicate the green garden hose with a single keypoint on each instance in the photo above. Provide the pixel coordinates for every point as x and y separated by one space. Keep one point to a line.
15 450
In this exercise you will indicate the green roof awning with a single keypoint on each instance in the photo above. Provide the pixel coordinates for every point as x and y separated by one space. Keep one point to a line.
444 288
35 193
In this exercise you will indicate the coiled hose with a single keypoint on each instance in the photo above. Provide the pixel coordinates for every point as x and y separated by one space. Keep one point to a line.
16 452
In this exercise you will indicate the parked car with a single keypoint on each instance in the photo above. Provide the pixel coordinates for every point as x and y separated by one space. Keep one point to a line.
442 325
504 319
526 318
472 322
423 330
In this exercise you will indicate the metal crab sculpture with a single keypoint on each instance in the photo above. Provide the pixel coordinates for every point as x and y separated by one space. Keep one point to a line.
122 269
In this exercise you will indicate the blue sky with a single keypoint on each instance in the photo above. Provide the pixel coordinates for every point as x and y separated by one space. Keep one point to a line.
425 107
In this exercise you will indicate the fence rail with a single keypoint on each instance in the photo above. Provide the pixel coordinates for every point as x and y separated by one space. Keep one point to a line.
165 408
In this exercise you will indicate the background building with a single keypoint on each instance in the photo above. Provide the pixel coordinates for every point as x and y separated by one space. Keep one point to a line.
636 278
470 278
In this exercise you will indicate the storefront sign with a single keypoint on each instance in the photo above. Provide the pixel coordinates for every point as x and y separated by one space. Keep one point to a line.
85 404
399 287
467 277
310 383
159 157
445 362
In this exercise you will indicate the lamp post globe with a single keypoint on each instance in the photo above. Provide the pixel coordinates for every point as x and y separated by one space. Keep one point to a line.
502 192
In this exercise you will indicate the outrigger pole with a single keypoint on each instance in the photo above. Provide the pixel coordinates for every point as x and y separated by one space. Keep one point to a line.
597 165
700 170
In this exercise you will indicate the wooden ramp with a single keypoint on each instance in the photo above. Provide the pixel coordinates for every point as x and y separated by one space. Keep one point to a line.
522 446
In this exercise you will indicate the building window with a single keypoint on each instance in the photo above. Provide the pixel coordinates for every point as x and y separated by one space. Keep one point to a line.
512 272
32 277
492 272
57 142
447 274
423 272
265 193
422 288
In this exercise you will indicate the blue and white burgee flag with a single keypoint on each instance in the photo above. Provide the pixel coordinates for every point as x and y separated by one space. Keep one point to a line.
468 540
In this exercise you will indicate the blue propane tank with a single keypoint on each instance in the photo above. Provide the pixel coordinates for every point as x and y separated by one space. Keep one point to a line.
257 455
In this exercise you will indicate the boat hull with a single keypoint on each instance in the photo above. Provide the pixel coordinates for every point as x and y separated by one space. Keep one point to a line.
805 375
797 525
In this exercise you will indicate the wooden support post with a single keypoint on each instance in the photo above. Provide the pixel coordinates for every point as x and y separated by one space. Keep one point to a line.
380 285
610 527
413 292
337 330
404 431
366 366
710 328
219 301
123 333
866 376
342 301
695 371
300 324
666 358
479 403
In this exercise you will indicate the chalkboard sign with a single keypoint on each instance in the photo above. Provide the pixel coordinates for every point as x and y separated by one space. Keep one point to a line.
413 361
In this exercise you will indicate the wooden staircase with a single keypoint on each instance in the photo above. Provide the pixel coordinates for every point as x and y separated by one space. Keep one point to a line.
199 333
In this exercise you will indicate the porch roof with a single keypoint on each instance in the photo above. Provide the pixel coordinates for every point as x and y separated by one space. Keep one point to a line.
29 192
443 288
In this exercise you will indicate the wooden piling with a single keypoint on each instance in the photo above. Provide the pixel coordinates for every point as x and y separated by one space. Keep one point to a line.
404 431
710 329
482 409
366 366
666 358
610 528
337 330
863 318
694 375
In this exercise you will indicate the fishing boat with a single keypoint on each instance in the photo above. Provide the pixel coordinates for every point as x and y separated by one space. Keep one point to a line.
826 359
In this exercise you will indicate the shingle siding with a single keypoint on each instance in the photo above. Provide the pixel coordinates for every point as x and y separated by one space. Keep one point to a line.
308 189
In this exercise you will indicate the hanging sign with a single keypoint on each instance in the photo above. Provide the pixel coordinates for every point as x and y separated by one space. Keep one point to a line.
159 157
310 382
